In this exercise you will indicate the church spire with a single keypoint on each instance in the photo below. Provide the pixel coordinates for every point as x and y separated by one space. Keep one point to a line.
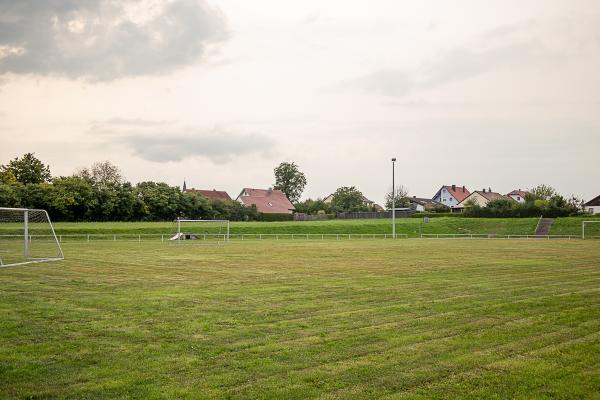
184 186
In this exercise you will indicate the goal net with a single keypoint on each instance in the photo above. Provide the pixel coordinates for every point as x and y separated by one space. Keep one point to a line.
27 236
590 229
200 230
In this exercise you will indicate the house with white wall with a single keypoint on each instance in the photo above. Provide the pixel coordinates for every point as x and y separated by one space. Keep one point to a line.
451 195
593 206
518 195
482 198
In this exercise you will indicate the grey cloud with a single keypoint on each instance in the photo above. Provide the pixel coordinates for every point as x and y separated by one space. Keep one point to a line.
217 145
103 39
135 122
451 66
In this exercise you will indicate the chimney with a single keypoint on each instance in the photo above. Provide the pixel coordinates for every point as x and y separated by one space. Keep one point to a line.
490 189
453 188
483 190
464 188
414 197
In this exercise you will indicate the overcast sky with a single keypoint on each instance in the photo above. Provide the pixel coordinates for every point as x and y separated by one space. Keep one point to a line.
501 94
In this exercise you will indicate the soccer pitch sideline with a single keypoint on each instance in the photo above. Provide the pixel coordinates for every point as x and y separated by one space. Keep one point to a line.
355 319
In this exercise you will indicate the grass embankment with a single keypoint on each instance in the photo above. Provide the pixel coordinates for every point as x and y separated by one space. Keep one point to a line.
572 226
361 319
409 226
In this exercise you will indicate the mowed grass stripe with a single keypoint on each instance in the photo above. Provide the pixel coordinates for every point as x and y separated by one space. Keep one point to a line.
424 354
392 307
359 310
106 329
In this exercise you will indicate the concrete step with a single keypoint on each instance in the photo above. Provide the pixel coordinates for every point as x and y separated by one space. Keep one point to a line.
544 226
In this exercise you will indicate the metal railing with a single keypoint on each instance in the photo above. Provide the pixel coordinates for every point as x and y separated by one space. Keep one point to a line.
495 236
106 237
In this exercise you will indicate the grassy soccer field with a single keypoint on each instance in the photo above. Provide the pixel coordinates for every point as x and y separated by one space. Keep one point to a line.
353 319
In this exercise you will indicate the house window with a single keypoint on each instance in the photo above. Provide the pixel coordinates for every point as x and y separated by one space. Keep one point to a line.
591 210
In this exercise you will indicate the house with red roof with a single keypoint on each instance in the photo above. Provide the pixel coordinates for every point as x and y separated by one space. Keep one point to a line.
211 194
518 195
451 195
268 201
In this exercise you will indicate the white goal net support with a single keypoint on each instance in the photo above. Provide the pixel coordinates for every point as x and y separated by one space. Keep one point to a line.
201 230
27 236
590 229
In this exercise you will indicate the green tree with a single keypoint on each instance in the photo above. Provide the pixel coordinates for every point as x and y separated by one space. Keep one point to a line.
6 175
196 206
102 173
348 199
9 195
73 199
310 206
541 192
401 197
28 169
162 202
36 195
290 180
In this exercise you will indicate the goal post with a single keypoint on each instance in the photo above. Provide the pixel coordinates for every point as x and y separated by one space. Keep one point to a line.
27 236
201 229
591 235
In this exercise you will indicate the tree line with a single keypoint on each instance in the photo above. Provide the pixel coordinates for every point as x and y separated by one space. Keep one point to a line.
99 193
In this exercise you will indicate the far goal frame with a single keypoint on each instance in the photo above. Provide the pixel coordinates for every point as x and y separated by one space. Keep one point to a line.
583 227
179 221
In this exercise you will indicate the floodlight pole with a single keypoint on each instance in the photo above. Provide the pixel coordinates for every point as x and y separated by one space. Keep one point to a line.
393 198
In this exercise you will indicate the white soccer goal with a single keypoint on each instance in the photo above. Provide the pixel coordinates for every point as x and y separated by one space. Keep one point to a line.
593 231
201 229
27 236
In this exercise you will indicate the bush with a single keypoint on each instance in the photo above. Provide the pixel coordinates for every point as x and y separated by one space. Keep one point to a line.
437 214
274 217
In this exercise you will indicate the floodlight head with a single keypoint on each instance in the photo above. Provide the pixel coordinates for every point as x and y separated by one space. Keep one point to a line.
394 159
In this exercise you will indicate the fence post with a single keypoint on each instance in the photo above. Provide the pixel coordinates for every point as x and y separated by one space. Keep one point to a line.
88 238
139 238
337 236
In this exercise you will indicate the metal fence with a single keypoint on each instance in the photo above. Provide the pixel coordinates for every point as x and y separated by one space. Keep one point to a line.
373 214
107 237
